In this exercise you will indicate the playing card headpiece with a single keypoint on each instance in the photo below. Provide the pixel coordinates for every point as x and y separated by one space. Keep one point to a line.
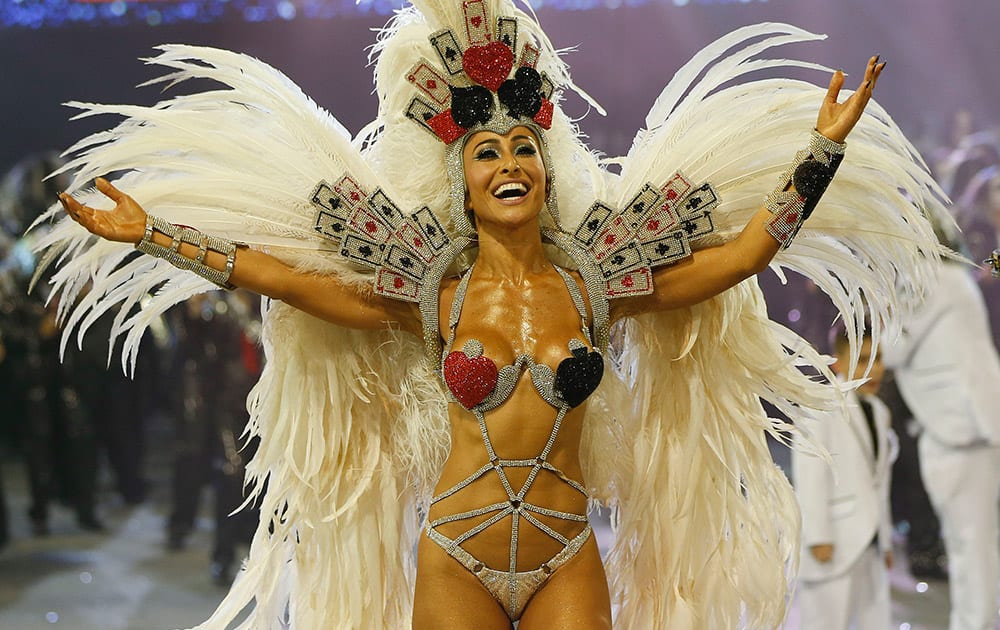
447 69
491 83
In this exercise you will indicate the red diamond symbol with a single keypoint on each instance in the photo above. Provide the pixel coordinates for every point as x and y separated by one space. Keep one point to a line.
418 242
355 196
671 195
476 21
371 227
609 239
397 282
653 225
431 84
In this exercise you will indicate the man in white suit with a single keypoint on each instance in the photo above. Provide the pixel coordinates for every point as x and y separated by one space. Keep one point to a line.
846 522
948 372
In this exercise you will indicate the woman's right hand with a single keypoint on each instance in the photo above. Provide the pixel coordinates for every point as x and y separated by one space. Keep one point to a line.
125 223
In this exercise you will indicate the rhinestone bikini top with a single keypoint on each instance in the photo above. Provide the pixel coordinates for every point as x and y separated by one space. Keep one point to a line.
476 383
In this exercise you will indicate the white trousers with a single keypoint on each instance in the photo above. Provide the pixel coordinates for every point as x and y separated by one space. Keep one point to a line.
963 484
858 598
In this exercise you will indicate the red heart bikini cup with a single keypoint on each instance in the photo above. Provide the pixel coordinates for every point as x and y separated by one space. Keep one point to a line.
470 379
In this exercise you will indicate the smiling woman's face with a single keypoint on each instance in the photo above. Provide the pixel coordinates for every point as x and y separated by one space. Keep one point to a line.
505 176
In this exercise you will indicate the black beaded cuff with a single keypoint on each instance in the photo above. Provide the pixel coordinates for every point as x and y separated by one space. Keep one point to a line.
801 186
188 235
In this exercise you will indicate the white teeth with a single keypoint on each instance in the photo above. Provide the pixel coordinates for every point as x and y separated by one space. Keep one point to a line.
521 189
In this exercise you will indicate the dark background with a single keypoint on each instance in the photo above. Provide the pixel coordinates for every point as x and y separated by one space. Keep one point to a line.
942 56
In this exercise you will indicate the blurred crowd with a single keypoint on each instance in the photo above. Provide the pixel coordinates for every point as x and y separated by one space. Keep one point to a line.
71 417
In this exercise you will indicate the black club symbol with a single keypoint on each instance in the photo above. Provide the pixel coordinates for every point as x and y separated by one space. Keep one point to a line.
365 251
593 224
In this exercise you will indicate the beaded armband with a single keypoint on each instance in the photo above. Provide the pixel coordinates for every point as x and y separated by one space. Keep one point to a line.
801 187
994 262
172 254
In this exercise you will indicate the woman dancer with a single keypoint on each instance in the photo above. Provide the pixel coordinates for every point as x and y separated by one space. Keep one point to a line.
515 312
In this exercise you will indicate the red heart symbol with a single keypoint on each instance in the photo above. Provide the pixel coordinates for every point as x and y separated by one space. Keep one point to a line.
431 84
471 380
488 65
476 21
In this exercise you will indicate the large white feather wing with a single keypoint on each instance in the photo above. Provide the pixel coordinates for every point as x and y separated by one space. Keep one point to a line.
337 481
706 524
237 161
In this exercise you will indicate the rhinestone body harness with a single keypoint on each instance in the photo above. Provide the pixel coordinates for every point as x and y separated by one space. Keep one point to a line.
512 588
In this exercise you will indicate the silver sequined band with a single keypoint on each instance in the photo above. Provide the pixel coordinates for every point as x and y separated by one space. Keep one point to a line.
204 242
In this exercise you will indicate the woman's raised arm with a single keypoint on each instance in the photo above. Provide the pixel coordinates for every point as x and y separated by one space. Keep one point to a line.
712 270
323 296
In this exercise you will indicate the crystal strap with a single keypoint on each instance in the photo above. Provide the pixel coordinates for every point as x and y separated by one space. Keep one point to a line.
204 242
801 186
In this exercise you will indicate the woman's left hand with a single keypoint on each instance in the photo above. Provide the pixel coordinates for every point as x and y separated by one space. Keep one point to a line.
837 119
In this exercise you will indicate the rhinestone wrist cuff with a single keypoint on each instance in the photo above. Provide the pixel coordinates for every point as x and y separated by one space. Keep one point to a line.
801 186
173 256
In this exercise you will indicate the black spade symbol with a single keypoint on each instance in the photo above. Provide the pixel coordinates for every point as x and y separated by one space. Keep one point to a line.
593 225
578 376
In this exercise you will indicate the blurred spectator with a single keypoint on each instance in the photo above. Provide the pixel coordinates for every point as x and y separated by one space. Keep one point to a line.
846 524
948 372
217 363
45 412
911 506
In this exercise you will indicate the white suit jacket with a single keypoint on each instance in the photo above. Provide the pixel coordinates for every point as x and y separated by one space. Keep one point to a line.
946 365
845 503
